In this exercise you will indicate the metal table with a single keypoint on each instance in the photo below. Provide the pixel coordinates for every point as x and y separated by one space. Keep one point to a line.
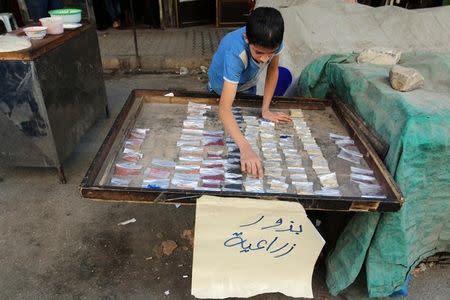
51 94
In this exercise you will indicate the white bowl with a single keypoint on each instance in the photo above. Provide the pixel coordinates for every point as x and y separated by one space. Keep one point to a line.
54 24
35 32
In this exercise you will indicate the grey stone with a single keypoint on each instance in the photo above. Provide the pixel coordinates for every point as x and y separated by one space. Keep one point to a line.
379 56
405 79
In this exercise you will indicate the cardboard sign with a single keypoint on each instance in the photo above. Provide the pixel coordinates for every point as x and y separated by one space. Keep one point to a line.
245 247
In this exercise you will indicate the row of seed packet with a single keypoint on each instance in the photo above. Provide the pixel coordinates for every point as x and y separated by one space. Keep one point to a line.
273 160
328 181
232 166
251 133
187 174
128 167
295 166
367 183
348 150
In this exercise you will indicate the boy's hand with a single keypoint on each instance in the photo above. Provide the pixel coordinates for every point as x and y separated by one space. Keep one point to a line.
250 162
276 116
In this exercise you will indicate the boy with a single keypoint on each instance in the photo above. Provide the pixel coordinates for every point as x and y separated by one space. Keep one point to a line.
235 67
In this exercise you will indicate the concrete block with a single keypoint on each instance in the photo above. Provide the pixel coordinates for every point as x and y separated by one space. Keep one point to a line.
379 56
405 79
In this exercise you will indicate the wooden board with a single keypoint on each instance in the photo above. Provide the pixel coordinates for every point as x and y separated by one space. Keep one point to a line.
40 47
149 108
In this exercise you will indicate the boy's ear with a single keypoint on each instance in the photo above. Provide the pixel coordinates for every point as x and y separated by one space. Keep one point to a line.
245 37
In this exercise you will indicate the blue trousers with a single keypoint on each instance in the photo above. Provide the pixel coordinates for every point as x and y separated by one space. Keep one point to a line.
39 8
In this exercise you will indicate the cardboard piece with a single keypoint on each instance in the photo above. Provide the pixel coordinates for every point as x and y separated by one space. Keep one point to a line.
245 247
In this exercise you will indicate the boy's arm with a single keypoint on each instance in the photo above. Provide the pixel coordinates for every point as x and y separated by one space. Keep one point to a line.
250 162
269 89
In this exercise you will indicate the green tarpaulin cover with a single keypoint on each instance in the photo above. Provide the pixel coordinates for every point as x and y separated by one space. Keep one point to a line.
416 125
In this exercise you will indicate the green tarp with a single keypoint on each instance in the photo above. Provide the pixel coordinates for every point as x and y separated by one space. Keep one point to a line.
416 125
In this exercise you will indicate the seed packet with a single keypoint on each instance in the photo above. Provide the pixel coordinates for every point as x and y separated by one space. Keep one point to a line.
127 168
139 133
328 192
211 133
156 183
360 178
131 155
298 177
191 151
121 181
211 184
186 177
349 157
188 169
196 143
361 171
162 163
155 173
334 136
196 132
352 150
134 144
213 163
303 188
194 124
213 141
183 184
328 180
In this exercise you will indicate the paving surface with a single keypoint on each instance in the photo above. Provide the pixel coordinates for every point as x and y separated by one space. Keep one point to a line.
160 49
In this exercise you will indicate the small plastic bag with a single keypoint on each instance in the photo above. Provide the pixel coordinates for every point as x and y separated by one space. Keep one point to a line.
185 137
343 143
296 169
127 168
229 175
328 180
314 152
303 188
194 124
213 133
352 150
298 177
196 132
211 184
191 151
321 170
184 184
131 155
163 163
156 183
134 144
155 173
348 157
181 143
186 177
213 141
264 123
362 171
334 137
213 163
360 178
121 181
328 192
188 169
139 133
233 181
190 159
212 174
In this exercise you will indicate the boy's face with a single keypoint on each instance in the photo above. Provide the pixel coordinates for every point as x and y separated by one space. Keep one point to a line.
261 54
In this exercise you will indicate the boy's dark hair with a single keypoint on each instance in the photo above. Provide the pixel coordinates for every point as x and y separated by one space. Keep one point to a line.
265 27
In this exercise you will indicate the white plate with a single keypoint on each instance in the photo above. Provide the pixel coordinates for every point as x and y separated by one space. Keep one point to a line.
72 25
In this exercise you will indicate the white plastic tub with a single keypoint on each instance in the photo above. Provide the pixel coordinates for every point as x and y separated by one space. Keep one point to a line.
54 25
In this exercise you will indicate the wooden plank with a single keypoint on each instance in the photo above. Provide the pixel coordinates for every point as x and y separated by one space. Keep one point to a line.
40 47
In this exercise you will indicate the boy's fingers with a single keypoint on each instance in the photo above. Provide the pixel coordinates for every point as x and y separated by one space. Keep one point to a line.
259 169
